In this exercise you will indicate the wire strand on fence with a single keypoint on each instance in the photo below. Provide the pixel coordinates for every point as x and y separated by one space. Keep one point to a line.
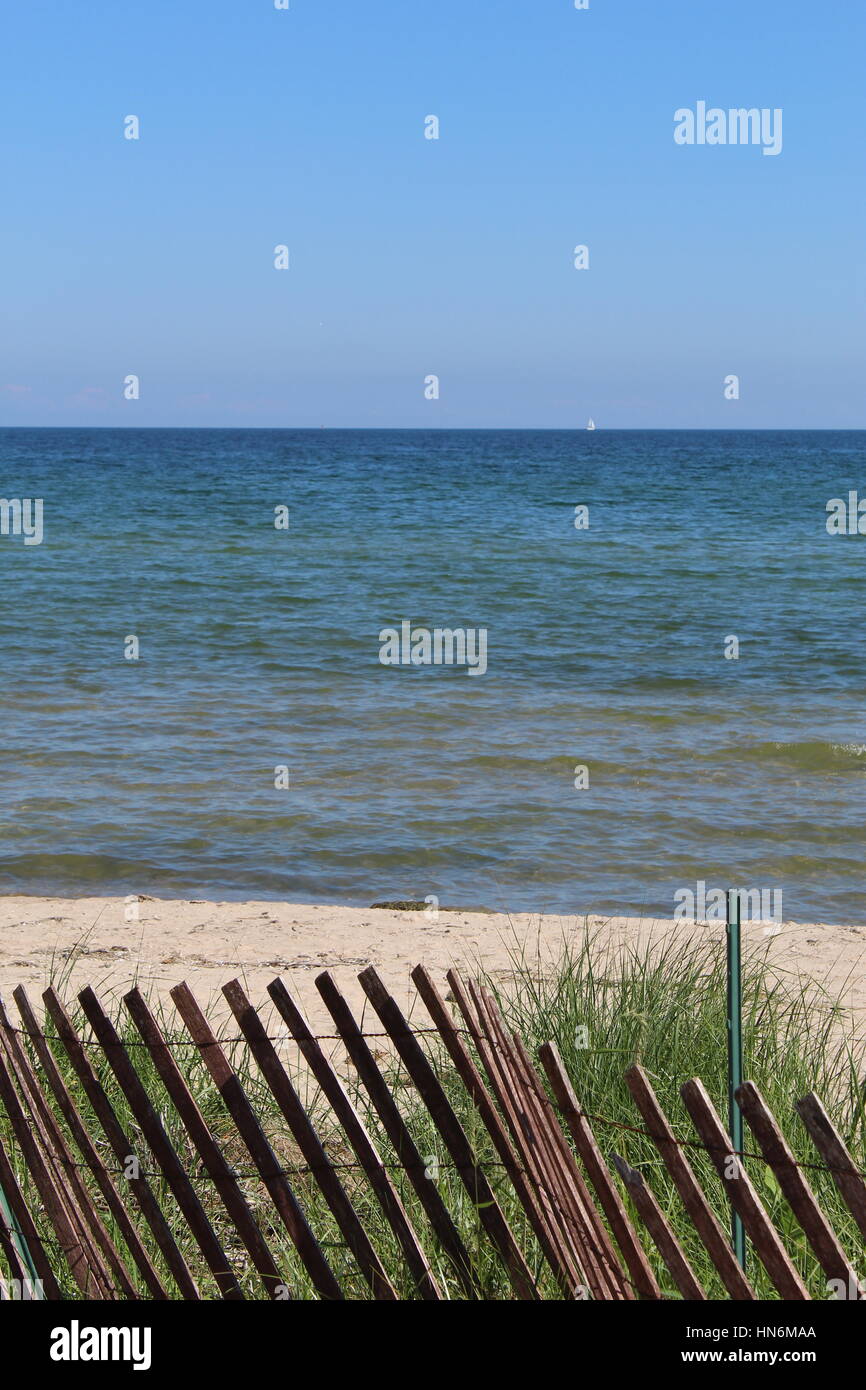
286 1036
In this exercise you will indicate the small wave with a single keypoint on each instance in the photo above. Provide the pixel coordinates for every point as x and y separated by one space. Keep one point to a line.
810 755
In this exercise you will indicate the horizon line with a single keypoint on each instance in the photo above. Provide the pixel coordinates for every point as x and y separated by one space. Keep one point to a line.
481 429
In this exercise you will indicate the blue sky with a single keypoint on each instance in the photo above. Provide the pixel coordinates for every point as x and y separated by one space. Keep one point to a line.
412 257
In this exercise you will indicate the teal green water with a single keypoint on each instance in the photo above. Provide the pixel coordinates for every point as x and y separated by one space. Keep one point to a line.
605 648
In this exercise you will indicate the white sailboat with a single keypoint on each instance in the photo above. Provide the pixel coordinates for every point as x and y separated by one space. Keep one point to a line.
591 425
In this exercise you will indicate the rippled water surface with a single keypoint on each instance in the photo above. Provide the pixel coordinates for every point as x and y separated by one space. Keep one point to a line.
260 647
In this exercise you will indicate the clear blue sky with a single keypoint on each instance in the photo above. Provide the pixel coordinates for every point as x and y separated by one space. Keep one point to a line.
411 256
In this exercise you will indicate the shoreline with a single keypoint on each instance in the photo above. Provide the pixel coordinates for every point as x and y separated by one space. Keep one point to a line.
111 943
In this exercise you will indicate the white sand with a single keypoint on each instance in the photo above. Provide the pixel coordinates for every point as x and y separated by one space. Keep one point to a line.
89 941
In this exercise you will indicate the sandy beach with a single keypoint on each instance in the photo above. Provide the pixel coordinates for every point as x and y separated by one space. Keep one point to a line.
90 941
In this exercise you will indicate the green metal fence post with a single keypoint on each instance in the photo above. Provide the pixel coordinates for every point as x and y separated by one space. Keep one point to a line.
735 1052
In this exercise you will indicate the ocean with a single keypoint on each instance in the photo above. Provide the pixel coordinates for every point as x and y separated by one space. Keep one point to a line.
610 755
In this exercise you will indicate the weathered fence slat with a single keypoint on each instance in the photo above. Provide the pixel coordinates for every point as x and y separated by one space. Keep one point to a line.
660 1229
831 1147
86 1147
395 1127
66 1229
41 1123
795 1188
471 1173
160 1146
645 1282
540 1203
544 1147
677 1164
121 1146
100 1252
555 1199
360 1140
209 1151
566 1271
741 1191
569 1200
258 1145
559 1163
568 1180
27 1226
293 1112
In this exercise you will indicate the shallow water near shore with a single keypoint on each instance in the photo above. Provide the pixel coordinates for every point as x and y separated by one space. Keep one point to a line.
605 649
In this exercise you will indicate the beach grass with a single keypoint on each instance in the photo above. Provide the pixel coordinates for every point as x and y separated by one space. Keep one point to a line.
665 1007
662 1006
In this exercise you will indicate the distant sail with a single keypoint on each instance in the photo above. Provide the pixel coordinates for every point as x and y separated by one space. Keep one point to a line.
591 425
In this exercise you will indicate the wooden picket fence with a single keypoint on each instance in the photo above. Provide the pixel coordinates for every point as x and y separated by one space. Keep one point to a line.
582 1210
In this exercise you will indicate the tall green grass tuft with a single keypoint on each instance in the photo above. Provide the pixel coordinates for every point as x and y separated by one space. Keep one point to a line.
664 1006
